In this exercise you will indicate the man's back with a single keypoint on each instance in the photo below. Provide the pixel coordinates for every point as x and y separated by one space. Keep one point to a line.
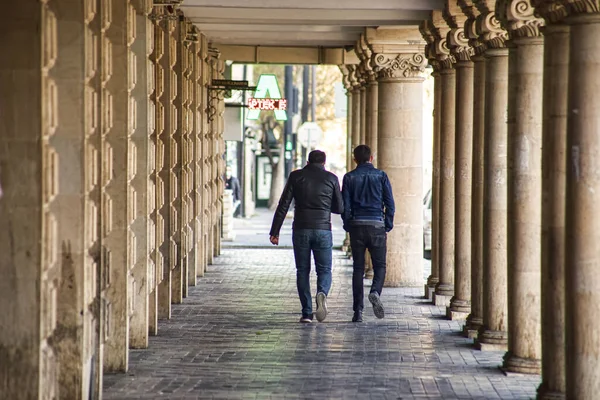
368 196
316 193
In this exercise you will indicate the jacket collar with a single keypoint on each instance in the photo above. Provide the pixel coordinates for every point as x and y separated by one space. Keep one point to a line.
365 165
319 166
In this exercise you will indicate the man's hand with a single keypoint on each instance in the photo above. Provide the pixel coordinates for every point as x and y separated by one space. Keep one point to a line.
275 240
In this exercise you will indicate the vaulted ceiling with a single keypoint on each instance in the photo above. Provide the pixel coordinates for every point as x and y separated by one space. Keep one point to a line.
301 23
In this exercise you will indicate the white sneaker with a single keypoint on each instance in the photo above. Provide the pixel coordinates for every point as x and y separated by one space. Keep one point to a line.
321 307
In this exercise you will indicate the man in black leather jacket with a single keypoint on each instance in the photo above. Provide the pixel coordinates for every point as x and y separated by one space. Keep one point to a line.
368 216
316 193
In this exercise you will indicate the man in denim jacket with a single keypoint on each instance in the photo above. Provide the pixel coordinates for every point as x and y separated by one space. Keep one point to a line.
368 216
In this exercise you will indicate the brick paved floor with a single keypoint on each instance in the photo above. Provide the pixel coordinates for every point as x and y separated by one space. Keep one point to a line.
237 337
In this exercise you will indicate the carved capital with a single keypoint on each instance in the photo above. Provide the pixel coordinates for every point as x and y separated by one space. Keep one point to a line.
551 11
364 54
470 26
582 7
345 77
354 77
456 39
399 66
517 17
488 27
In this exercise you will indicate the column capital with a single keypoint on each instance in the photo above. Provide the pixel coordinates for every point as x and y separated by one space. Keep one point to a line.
552 11
346 77
581 8
396 53
457 40
470 26
364 54
399 66
490 31
441 30
518 19
426 28
354 77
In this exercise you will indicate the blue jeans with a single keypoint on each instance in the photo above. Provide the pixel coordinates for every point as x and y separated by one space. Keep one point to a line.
320 242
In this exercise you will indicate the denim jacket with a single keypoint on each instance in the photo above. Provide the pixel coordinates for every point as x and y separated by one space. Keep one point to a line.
367 195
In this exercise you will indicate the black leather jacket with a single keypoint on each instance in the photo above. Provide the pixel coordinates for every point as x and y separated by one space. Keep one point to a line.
316 193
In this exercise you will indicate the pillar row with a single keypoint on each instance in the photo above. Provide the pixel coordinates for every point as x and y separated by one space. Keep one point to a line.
88 159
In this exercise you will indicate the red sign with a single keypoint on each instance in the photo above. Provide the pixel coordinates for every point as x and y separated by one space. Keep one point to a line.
267 104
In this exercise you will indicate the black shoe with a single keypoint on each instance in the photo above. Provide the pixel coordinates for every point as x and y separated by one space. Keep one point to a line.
357 316
377 306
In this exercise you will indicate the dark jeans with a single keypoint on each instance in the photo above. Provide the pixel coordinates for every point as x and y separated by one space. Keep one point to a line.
320 242
374 239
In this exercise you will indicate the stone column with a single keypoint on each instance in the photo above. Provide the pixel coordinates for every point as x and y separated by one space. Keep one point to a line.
434 278
460 305
582 229
400 156
554 161
155 276
49 202
208 157
429 33
220 162
117 193
444 289
176 208
164 121
475 318
526 65
356 112
493 334
363 110
198 108
349 161
29 174
187 156
371 116
140 159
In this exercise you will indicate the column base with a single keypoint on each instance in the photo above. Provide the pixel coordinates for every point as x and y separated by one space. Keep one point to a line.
472 327
429 291
456 315
441 300
228 237
520 365
491 340
544 393
430 286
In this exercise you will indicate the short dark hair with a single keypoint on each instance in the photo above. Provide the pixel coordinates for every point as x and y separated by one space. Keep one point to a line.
316 157
362 153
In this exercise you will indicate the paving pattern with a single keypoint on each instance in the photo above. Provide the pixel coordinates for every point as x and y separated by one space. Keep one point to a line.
237 337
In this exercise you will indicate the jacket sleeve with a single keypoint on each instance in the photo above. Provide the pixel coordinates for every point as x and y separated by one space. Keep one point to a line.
388 203
337 203
347 213
282 208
